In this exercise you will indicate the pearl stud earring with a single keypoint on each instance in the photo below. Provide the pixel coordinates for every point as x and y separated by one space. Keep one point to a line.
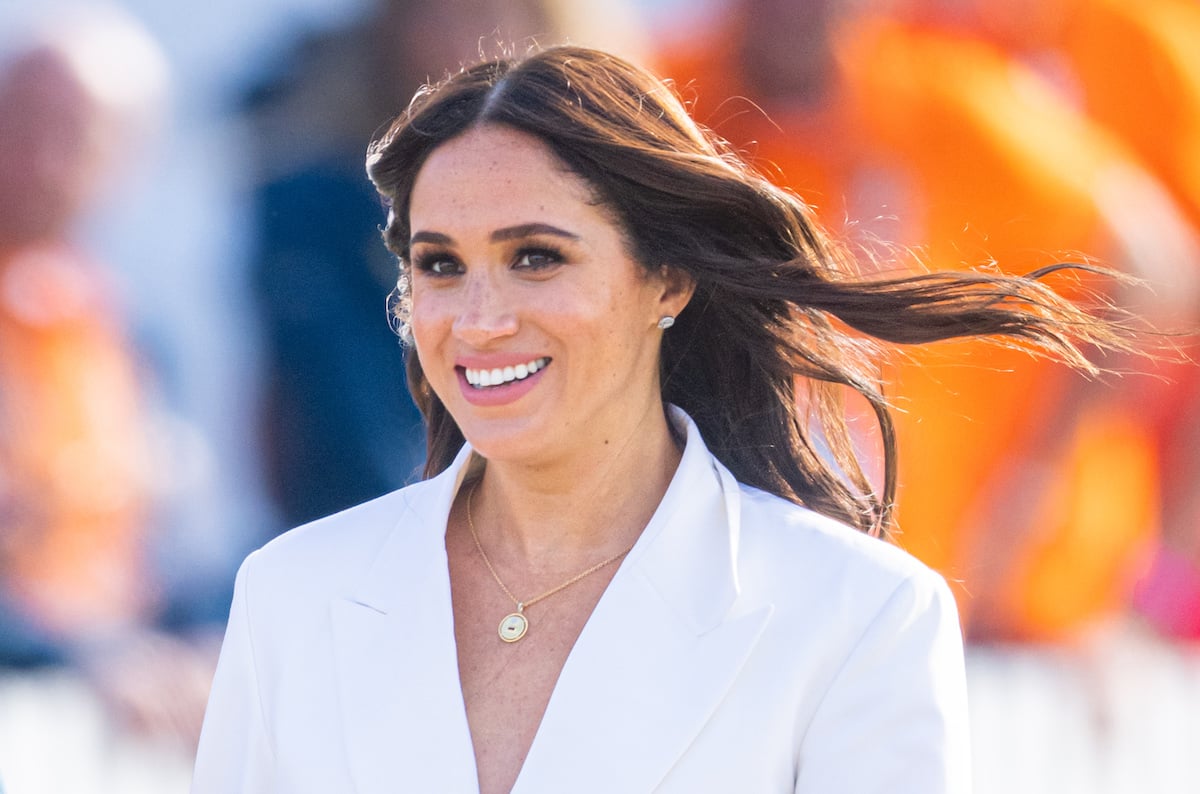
666 322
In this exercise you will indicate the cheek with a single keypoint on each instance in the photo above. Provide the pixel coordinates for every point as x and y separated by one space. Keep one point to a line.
430 323
617 330
428 305
432 354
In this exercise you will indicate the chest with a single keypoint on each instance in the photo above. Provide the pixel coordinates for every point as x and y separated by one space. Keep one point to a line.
507 686
373 700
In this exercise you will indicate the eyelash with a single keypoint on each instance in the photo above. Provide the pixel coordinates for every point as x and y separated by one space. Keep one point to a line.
428 263
433 261
552 255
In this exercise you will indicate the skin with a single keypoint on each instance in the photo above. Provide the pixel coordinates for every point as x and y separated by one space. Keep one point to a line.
588 430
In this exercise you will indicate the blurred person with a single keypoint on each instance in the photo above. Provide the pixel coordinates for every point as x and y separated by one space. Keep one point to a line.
1133 71
77 581
630 567
928 134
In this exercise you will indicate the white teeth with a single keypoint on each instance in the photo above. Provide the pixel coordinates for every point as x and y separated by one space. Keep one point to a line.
482 378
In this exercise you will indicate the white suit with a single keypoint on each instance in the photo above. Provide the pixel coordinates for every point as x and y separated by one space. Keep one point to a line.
745 645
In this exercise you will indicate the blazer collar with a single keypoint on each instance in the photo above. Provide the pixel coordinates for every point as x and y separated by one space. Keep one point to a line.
657 655
688 549
404 721
417 545
661 649
691 538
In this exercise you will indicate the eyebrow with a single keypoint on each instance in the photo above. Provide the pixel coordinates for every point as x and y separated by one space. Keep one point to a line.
500 235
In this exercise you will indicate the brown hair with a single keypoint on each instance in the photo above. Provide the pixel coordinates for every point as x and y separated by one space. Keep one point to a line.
777 307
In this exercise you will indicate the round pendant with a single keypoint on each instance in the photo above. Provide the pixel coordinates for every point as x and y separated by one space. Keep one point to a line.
513 627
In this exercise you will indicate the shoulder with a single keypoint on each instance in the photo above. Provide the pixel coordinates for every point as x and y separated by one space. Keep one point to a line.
800 560
797 535
327 558
857 619
870 642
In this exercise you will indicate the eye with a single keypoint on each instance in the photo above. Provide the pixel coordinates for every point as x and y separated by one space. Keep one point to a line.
537 259
437 263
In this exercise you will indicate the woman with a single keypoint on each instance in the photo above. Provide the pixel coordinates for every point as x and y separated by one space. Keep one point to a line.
640 572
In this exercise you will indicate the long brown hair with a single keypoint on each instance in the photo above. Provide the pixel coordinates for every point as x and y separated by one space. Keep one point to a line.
778 307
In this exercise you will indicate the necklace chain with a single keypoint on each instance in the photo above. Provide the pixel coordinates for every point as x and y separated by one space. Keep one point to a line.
528 602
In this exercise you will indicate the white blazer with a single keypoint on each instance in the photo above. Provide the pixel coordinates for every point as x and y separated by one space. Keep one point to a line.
745 645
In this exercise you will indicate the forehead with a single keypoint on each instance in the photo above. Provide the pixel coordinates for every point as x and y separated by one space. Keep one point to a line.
493 176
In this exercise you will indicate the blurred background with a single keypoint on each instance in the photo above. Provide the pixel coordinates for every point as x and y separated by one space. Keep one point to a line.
195 356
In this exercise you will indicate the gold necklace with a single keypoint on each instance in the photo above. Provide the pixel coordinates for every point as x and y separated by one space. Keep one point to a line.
515 624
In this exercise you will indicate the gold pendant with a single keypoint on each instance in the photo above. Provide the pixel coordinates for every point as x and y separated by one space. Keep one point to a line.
514 626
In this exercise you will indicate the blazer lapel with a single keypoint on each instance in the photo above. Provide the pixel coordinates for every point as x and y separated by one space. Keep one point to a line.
404 720
664 645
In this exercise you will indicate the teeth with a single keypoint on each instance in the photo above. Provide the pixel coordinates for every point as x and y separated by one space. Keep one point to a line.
482 378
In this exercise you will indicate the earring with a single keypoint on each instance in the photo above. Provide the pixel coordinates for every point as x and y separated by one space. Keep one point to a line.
666 322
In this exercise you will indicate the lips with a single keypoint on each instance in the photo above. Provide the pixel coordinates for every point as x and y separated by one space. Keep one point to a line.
499 380
484 378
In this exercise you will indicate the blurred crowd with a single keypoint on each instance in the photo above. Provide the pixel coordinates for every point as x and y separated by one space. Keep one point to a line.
932 133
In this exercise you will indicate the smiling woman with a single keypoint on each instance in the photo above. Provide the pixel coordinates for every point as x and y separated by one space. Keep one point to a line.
632 568
515 263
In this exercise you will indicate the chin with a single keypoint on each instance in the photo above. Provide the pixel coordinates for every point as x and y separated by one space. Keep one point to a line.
516 439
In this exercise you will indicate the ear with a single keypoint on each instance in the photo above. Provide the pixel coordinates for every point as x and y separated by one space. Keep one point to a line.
677 287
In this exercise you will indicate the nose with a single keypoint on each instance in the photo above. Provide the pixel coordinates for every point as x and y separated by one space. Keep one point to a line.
487 313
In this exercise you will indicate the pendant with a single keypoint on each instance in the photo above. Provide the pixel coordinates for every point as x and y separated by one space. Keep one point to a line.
514 626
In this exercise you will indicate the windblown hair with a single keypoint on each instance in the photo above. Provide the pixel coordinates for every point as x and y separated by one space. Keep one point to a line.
780 322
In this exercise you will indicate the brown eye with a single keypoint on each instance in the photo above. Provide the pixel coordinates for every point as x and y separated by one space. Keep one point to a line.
537 259
437 265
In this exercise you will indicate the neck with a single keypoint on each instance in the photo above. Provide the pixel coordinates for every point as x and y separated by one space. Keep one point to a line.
590 504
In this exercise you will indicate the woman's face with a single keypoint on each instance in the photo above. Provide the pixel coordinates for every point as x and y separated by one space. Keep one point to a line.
532 322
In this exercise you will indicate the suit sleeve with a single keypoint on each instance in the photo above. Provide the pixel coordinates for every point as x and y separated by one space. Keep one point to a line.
235 750
894 719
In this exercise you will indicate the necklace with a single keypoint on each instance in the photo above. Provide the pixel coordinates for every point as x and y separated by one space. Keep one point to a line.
515 624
